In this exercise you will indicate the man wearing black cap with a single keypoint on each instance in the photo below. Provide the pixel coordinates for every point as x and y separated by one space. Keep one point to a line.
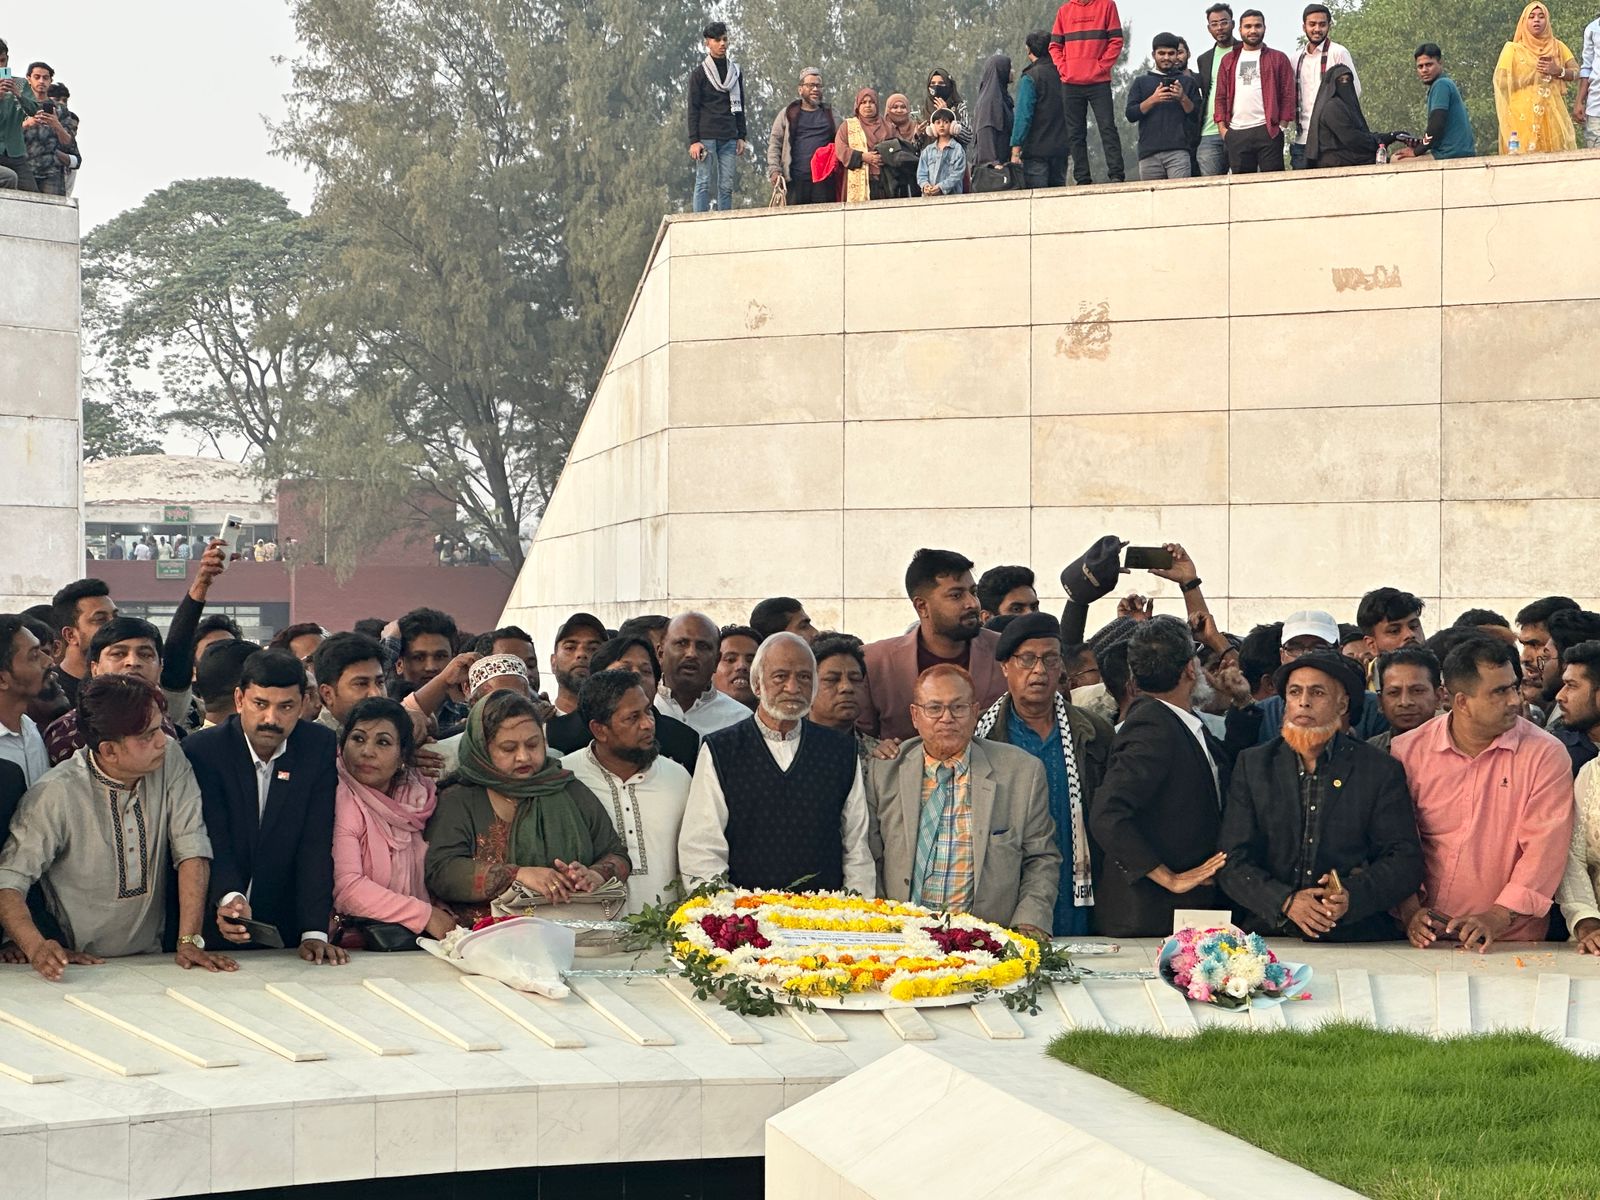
1073 746
1319 830
578 638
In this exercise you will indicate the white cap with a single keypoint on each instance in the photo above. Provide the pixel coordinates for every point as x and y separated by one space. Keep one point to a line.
1310 622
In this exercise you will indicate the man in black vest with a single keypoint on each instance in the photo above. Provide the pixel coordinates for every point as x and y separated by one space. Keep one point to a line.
1039 130
776 798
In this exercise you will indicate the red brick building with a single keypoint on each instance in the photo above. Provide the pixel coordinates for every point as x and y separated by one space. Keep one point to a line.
163 498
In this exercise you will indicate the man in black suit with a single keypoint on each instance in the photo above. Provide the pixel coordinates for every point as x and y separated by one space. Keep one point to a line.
267 781
1313 802
1157 813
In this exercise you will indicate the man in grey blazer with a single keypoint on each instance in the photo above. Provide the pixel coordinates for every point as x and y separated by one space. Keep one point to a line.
963 825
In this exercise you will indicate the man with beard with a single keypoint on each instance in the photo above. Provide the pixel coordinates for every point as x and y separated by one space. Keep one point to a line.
1568 628
623 765
1157 814
1318 55
777 800
1071 744
1254 100
1494 806
1541 669
736 650
1319 830
841 679
949 630
578 638
267 782
960 825
24 666
688 662
1579 702
570 733
1410 691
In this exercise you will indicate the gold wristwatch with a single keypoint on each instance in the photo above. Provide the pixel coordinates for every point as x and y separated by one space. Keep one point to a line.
192 939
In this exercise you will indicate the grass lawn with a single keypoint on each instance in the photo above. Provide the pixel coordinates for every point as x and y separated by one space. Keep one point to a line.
1394 1116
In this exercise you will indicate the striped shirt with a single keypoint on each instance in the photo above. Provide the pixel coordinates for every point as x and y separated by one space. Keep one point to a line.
950 880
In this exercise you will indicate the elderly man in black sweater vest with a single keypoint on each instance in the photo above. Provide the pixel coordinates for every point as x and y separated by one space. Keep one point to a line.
777 799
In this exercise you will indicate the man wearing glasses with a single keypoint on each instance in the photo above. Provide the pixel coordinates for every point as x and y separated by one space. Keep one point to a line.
961 825
1071 744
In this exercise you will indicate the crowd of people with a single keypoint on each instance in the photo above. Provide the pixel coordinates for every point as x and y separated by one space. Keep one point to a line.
39 149
1237 109
199 793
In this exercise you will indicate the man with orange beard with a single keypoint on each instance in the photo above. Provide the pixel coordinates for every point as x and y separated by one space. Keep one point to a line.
1319 829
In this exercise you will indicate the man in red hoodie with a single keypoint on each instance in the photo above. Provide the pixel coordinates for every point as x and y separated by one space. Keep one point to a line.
1085 44
1255 100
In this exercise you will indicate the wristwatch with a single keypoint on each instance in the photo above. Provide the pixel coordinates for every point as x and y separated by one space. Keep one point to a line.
192 939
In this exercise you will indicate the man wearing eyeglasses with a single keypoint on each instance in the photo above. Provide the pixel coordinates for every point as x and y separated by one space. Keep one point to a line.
1072 745
961 825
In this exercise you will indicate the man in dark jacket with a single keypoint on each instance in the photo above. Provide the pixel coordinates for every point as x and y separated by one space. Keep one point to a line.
1212 152
799 131
716 120
1073 746
1160 103
1039 129
267 782
1320 832
1157 814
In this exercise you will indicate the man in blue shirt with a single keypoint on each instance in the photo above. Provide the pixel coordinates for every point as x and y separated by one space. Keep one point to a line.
1449 128
1071 743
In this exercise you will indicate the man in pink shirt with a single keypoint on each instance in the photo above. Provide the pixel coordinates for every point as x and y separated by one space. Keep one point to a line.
1493 794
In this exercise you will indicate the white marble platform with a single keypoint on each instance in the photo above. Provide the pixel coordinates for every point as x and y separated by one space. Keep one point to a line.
364 1071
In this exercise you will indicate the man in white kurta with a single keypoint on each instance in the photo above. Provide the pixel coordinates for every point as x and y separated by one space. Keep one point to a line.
644 792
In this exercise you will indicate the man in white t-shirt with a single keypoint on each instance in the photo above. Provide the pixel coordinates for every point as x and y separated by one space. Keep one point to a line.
1317 57
1255 100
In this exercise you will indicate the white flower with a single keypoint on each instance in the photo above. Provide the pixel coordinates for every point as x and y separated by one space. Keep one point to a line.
1251 968
1236 987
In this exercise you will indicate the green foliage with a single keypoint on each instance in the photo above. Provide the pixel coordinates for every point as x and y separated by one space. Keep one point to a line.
117 424
202 283
1382 36
1395 1116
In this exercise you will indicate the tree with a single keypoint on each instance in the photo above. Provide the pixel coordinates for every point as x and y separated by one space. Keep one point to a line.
1381 36
114 426
201 283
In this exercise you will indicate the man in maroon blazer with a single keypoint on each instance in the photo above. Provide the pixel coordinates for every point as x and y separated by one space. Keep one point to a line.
948 630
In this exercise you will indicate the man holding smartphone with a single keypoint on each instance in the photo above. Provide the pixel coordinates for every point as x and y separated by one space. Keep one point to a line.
16 103
1160 103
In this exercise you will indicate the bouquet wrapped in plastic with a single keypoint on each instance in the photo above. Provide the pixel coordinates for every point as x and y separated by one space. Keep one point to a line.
521 952
1230 969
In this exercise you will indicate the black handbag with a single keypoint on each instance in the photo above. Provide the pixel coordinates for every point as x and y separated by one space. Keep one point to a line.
997 177
382 936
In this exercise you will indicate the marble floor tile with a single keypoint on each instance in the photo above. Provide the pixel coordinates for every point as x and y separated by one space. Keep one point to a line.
659 1122
416 1137
497 1131
169 1158
580 1125
24 1157
87 1162
733 1117
252 1149
335 1141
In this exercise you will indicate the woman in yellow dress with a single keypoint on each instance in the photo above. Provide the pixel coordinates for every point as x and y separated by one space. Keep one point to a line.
1530 86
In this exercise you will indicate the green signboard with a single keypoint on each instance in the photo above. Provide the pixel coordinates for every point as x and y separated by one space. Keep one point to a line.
174 568
176 514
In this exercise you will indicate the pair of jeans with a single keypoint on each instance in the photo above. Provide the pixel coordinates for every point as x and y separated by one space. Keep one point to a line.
1213 155
1077 99
717 161
1251 151
1165 164
1044 172
1591 133
1297 156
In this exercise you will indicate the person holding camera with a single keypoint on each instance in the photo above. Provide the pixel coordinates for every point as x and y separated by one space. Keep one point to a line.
45 135
17 105
1160 103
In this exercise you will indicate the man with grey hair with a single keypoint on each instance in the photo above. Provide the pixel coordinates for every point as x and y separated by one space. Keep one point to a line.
777 800
799 131
688 665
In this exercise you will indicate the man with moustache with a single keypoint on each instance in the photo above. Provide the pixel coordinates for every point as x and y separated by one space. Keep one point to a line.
1318 828
777 800
644 792
578 638
1541 664
841 679
736 650
570 733
688 665
963 825
267 782
949 630
1317 56
1410 692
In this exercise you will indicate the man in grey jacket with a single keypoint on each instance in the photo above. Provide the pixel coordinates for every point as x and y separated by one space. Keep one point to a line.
962 825
800 130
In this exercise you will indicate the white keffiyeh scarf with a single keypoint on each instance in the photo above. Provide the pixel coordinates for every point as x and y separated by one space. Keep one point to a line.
730 86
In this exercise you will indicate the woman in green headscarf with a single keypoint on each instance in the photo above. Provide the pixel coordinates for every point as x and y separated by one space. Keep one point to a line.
516 817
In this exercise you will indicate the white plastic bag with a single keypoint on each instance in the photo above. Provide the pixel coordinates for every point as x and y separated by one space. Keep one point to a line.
524 953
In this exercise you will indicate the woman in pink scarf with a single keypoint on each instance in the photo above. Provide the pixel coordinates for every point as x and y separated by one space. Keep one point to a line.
379 812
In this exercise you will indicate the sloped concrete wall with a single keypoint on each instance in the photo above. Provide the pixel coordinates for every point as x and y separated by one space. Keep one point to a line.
1318 383
41 522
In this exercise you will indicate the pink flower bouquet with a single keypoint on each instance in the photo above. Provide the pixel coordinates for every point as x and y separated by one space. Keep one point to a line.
1230 969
